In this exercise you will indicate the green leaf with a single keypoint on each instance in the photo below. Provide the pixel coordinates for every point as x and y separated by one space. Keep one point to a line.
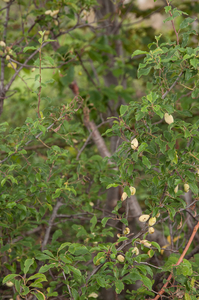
185 268
29 48
123 109
104 221
186 22
48 253
146 162
138 52
93 222
39 295
119 286
27 264
56 235
64 245
112 185
143 71
45 268
194 62
147 282
9 277
101 281
142 147
167 9
194 187
156 245
38 275
74 270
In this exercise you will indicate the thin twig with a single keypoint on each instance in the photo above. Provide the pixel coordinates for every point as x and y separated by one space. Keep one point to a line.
179 261
165 94
81 62
67 285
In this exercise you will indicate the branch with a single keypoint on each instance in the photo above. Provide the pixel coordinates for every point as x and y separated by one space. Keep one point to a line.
98 140
81 62
165 94
34 230
179 261
87 140
53 216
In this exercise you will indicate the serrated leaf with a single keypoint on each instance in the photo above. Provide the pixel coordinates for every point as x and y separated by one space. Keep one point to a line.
93 222
143 71
146 281
138 52
146 162
9 277
123 109
104 221
186 22
29 48
41 276
112 185
156 245
39 295
45 268
119 286
74 270
27 264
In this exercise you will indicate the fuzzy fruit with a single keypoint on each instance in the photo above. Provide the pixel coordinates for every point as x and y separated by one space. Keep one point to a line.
158 214
176 189
186 187
7 57
9 283
151 230
120 258
168 118
133 190
2 44
152 221
94 295
12 65
145 243
134 144
124 196
144 218
135 250
48 12
126 230
54 13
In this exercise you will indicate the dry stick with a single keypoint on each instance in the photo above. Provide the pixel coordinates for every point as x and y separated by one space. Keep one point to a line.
53 216
179 261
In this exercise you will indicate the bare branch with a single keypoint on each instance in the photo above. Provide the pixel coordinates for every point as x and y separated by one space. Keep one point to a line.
53 216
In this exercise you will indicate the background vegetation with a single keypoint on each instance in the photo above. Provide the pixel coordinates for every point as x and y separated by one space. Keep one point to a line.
99 149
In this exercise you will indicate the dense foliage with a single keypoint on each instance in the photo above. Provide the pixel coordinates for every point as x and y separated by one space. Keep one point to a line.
98 151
